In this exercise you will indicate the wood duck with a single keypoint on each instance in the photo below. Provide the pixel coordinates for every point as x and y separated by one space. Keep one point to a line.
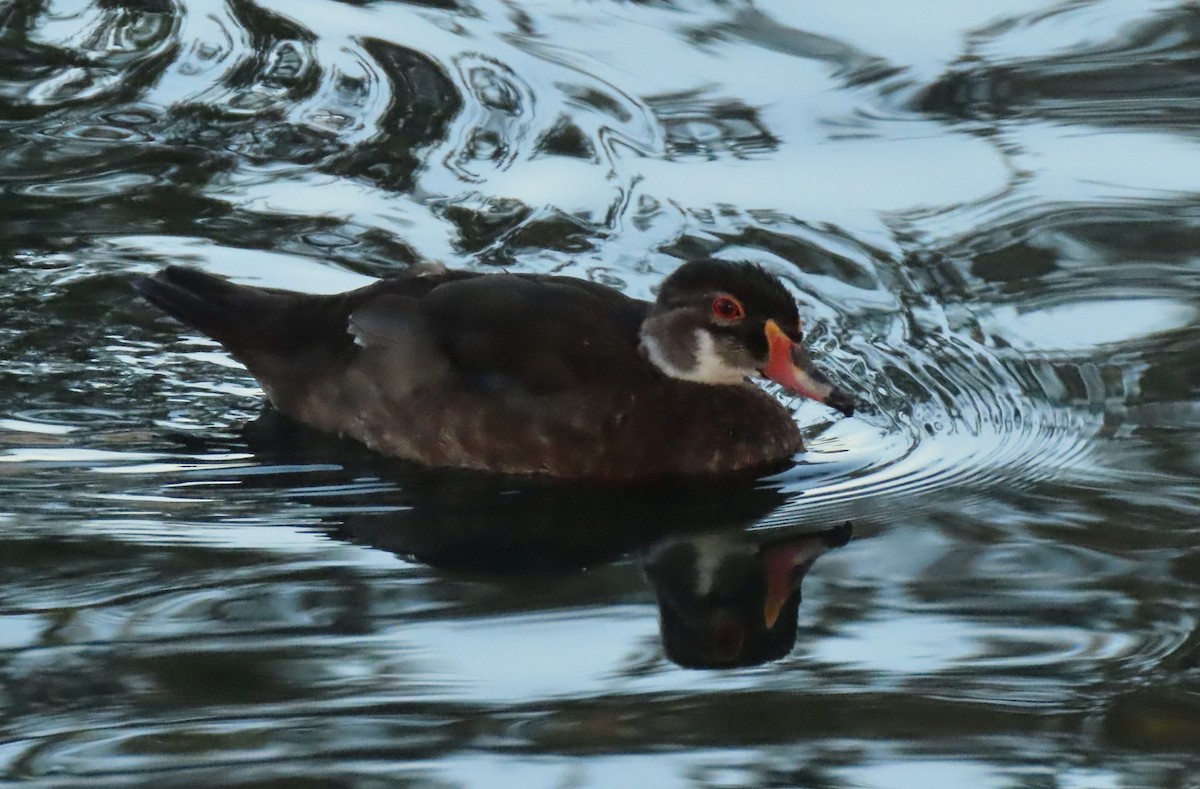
526 374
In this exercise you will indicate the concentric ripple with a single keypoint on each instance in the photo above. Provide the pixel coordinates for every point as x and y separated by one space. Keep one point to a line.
941 412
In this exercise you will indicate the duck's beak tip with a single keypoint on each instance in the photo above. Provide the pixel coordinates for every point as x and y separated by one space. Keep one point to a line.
841 402
790 366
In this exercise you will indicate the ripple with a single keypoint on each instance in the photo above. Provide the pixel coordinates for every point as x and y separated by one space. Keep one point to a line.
43 428
101 50
946 414
212 47
99 133
96 187
1079 326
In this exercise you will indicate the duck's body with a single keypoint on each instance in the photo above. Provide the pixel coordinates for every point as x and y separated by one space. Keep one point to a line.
518 374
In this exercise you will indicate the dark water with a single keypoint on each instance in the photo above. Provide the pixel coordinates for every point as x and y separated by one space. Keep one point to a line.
989 212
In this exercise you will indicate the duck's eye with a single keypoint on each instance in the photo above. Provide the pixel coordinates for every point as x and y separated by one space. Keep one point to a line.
727 308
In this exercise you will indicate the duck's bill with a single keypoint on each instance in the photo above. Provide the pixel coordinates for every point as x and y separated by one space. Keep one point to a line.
790 366
786 565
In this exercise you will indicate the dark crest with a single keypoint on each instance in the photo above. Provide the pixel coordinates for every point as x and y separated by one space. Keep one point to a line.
760 290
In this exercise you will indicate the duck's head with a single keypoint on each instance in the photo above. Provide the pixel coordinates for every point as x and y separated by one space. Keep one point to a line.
726 599
718 322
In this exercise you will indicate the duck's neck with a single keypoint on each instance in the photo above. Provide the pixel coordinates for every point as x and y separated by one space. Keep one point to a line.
685 353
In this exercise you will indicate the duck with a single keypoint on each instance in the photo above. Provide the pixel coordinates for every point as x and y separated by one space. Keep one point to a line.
526 374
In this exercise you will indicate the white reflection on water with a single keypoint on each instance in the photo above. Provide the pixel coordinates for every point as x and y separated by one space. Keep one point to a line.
665 770
901 772
906 645
20 631
248 266
1085 325
588 648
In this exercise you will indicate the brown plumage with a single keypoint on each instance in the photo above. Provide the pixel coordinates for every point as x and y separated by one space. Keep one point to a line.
519 374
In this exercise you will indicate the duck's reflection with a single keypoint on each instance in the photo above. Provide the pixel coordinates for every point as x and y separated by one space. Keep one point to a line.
725 600
727 597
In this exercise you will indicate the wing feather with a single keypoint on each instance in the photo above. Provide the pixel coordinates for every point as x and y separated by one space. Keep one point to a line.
530 334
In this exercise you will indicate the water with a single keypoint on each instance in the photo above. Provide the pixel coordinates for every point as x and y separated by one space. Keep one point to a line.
988 213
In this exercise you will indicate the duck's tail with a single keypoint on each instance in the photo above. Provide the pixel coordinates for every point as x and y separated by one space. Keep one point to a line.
210 304
243 318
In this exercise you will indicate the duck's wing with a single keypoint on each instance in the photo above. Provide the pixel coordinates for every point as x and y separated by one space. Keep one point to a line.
507 334
499 333
252 321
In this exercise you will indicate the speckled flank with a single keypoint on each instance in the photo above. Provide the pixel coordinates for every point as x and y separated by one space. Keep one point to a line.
580 439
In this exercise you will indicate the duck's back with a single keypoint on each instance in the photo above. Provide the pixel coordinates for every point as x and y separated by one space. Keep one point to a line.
509 373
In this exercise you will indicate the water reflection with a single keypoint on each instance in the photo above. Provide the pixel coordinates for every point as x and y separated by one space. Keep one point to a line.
727 597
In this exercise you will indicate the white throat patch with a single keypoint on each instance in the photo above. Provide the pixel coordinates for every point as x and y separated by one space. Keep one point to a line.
710 368
711 551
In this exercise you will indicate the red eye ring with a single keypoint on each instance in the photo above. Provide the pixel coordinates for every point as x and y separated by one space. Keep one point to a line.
727 308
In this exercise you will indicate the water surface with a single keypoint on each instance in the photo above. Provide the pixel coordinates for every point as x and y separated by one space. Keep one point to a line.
989 216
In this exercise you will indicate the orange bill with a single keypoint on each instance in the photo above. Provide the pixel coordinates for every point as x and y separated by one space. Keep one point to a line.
789 366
